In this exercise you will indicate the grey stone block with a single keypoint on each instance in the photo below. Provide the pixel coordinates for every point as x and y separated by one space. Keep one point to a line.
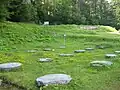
53 79
66 55
10 66
79 51
45 59
100 63
110 55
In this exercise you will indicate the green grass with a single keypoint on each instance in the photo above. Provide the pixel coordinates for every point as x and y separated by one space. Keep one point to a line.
17 38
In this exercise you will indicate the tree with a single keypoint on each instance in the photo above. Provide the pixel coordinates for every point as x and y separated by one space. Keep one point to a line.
116 8
3 10
21 11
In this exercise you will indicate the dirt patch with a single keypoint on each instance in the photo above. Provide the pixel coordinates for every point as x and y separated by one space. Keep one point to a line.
89 27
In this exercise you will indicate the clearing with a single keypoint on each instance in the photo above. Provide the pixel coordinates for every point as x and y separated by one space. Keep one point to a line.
25 43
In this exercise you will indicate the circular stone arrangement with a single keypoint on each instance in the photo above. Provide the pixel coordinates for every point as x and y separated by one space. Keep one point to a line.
100 63
10 66
118 52
53 79
66 55
45 59
89 49
79 51
110 55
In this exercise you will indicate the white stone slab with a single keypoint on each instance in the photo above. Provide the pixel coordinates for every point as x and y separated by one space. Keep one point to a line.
66 55
45 59
53 79
100 63
10 66
47 49
89 49
110 55
62 47
32 51
79 51
118 52
100 47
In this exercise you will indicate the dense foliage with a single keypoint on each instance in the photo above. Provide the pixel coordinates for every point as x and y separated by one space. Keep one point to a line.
93 12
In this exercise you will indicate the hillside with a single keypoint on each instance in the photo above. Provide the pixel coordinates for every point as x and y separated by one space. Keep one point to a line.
13 34
17 38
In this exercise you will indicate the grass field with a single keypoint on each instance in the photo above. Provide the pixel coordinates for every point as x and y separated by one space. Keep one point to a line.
17 38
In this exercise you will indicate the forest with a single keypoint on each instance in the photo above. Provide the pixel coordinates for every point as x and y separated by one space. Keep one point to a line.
80 12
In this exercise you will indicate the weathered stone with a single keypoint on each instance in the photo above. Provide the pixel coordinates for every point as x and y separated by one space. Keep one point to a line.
45 59
100 47
47 49
118 52
62 47
10 66
32 51
53 79
110 55
66 55
100 63
89 49
79 51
